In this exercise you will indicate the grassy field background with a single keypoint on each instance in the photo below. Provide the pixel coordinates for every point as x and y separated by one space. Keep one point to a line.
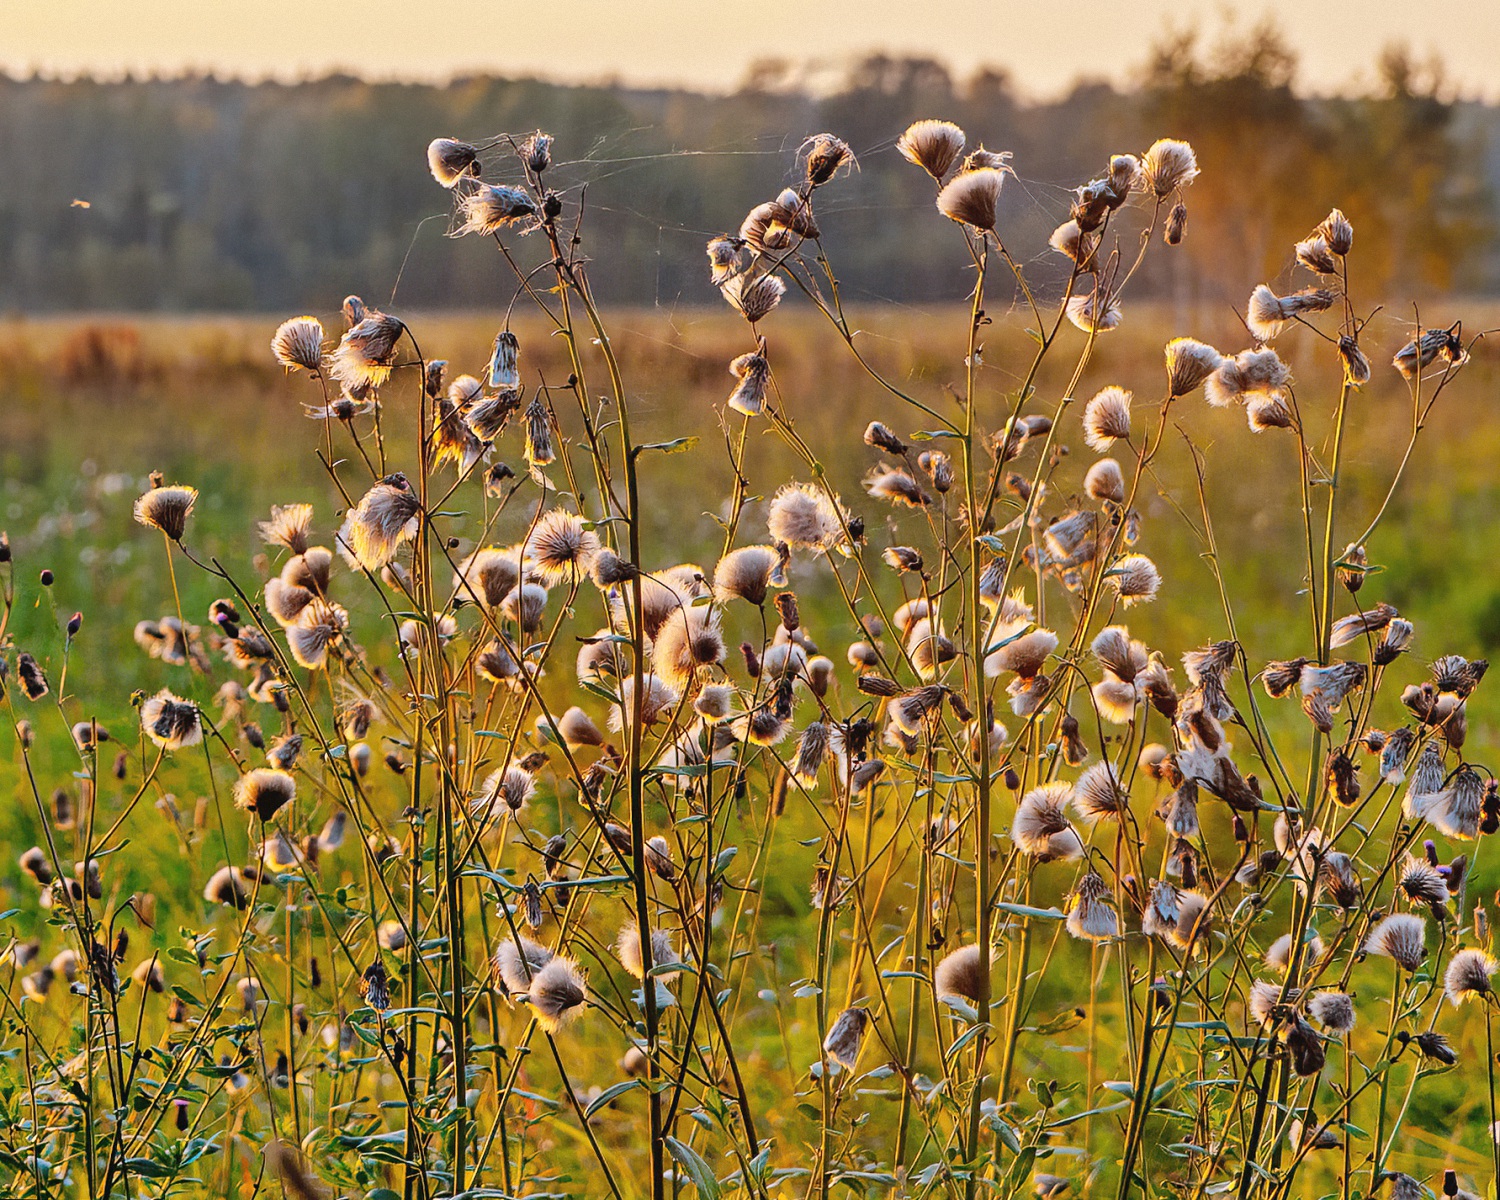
90 405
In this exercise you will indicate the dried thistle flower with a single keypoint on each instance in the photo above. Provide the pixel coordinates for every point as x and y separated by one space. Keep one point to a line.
319 627
1135 578
1169 165
972 197
1095 312
628 951
1083 248
450 160
1189 364
896 486
1427 347
1333 1010
264 791
167 509
171 722
803 516
298 343
1041 828
754 298
845 1036
754 375
824 156
1090 917
1106 418
932 145
961 973
366 353
490 209
517 960
1401 937
558 993
1105 482
385 517
1176 225
561 548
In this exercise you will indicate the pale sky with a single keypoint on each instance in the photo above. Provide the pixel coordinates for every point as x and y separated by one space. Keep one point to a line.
1044 44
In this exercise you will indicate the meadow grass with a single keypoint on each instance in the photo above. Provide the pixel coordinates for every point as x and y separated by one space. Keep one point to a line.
1116 1065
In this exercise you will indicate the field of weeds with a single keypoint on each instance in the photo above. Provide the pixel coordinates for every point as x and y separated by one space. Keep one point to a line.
776 750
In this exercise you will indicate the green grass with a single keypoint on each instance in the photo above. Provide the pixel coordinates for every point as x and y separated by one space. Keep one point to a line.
200 401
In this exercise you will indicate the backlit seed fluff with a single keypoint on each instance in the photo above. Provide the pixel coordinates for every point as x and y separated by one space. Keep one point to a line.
1356 364
1265 998
1135 578
824 156
1069 239
756 298
1041 828
1099 795
896 486
689 639
366 353
289 526
971 198
515 965
1279 953
1468 976
450 160
1169 165
167 509
748 573
803 517
171 722
1338 232
1332 1010
560 547
961 974
754 375
1176 225
319 627
1095 313
1105 481
714 703
657 697
298 343
1106 418
932 145
228 886
264 792
1023 656
577 729
385 517
1090 917
557 994
511 787
525 605
493 208
846 1036
1401 937
391 935
628 951
1189 364
1268 314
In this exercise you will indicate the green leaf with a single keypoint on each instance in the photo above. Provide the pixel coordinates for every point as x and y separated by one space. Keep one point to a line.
675 446
698 1170
1025 910
609 1094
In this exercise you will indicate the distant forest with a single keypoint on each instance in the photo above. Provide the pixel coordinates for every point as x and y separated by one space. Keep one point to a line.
201 194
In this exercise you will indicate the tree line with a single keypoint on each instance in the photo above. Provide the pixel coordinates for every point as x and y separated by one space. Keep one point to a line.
195 193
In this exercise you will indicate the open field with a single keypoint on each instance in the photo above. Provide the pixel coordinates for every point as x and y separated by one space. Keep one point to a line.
90 406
